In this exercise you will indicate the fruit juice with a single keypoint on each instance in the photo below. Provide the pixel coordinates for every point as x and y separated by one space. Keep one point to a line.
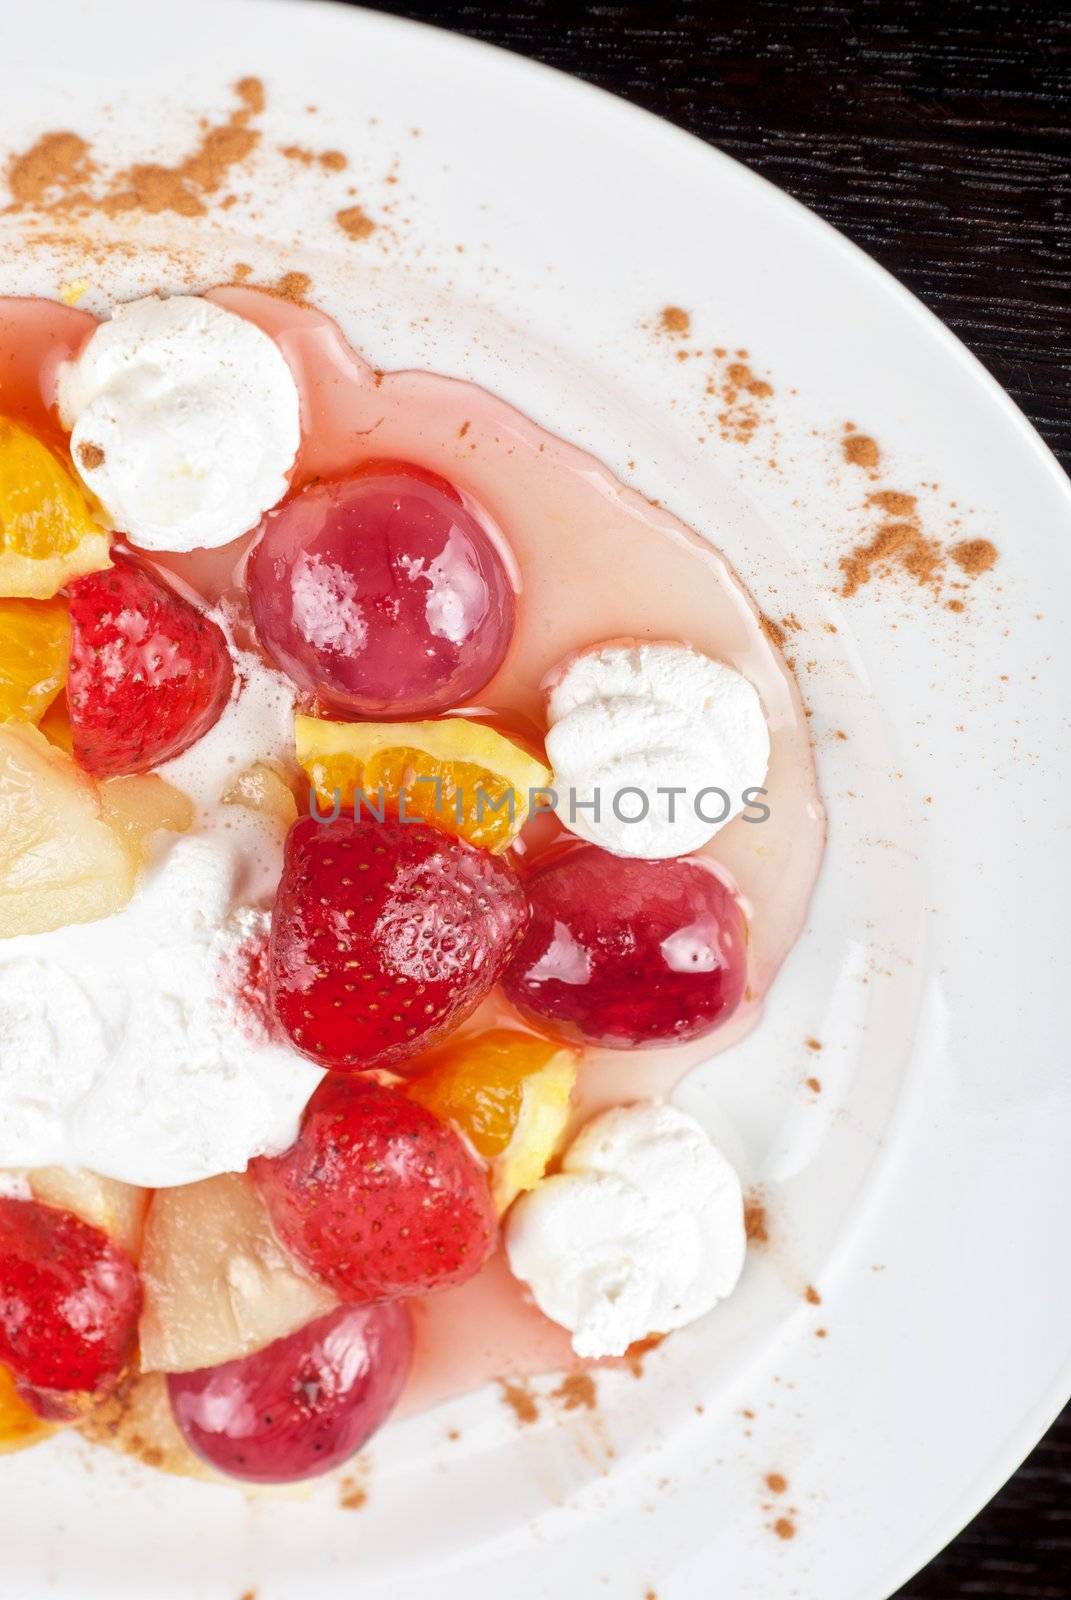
596 561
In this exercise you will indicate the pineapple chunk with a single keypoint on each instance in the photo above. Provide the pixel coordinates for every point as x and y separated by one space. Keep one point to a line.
59 860
263 787
137 1420
217 1283
138 805
118 1209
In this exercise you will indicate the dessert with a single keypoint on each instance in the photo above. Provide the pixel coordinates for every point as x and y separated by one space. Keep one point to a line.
364 887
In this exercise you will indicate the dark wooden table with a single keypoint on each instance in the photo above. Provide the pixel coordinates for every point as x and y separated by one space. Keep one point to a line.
935 134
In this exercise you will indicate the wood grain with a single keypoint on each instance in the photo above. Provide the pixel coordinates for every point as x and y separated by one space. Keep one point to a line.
935 134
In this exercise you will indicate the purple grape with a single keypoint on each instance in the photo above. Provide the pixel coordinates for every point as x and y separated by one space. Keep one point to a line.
303 1404
382 593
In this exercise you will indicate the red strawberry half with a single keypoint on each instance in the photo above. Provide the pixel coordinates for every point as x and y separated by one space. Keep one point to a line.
385 936
69 1306
148 675
377 1197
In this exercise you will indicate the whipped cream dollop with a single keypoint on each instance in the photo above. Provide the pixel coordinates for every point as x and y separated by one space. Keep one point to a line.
184 421
135 1046
641 1232
256 725
631 722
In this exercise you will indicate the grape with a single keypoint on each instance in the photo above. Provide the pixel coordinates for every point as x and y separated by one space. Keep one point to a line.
303 1404
382 594
624 952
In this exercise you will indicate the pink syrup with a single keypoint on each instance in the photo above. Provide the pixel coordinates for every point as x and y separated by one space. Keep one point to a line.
596 561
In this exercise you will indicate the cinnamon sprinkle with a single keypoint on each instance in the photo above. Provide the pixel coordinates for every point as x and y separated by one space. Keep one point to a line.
674 320
58 175
355 222
973 556
576 1390
901 545
756 1223
896 546
861 451
330 160
521 1401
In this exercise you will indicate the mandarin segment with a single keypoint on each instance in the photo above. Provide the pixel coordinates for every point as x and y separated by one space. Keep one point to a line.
56 725
460 776
19 1426
509 1094
35 637
48 533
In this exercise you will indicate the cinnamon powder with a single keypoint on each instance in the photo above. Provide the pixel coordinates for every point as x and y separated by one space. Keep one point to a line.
521 1402
756 1224
897 546
861 451
742 395
355 222
577 1390
674 320
59 175
901 544
330 160
973 556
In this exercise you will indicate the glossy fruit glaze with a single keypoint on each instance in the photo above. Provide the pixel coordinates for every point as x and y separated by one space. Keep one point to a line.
303 1404
370 981
596 561
69 1305
376 1197
382 594
149 673
626 953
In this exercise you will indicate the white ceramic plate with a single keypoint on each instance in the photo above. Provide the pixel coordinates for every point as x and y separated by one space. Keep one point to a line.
925 1189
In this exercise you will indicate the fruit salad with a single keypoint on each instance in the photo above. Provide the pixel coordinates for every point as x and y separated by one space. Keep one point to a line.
393 807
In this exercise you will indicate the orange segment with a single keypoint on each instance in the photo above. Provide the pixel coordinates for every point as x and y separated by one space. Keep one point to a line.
461 776
509 1094
48 534
56 725
19 1426
35 638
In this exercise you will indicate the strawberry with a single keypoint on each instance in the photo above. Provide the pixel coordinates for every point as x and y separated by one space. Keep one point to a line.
377 1197
385 936
148 674
69 1306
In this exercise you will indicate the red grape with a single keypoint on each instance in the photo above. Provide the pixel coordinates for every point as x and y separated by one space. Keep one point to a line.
303 1404
382 594
623 952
